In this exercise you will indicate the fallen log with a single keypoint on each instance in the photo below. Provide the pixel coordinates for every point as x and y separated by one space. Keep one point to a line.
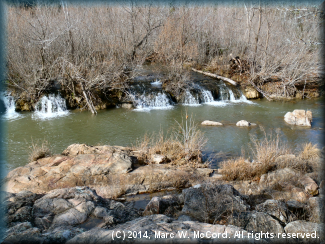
259 90
216 76
89 102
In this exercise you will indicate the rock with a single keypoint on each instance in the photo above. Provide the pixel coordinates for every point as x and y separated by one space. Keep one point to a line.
251 93
69 171
299 194
299 117
209 122
23 233
310 185
158 159
279 176
210 203
244 123
304 227
159 228
127 105
76 149
167 205
255 221
277 210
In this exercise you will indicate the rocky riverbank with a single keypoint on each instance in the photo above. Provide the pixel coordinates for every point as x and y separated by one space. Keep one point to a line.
74 197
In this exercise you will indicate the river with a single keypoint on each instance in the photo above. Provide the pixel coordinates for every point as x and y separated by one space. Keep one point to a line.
120 126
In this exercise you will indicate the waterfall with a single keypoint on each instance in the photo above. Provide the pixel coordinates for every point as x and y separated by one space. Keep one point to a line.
156 83
206 96
10 106
190 100
50 107
241 99
151 101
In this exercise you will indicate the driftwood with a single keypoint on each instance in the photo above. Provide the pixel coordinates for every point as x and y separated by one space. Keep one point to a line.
216 76
89 102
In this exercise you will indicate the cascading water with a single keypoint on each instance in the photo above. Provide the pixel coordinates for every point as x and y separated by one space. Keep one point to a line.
151 101
156 83
206 96
50 107
10 106
190 100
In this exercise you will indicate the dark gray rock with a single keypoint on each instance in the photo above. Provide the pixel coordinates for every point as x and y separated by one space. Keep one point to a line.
255 221
156 227
277 210
210 203
168 205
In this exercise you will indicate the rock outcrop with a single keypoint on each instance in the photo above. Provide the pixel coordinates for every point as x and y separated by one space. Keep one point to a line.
299 117
110 170
58 215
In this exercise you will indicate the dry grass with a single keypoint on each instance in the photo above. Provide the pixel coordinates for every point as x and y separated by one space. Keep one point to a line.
310 152
266 150
39 150
183 146
266 153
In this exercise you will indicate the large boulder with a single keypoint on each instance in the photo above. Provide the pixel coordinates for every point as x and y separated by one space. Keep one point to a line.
162 229
255 221
308 232
167 205
299 117
211 203
276 209
251 93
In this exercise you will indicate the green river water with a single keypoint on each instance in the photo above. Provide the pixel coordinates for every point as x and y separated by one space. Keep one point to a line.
122 127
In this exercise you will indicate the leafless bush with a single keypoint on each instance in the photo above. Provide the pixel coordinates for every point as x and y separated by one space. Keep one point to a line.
98 47
39 150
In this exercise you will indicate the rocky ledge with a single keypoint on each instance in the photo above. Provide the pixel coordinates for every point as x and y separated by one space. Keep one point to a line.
73 198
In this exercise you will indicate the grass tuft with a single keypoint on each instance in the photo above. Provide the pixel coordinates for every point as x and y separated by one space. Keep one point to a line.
39 150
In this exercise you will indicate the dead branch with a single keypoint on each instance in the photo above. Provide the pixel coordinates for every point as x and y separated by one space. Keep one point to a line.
216 76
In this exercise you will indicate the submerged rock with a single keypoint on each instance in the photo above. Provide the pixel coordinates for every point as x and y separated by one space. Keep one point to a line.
299 117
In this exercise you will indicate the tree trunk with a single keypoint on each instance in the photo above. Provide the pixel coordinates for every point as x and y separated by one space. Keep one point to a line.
216 76
89 102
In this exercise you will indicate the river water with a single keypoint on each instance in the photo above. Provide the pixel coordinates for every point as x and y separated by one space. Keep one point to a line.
119 126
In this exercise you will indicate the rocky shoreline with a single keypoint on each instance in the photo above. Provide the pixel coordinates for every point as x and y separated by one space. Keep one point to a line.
75 198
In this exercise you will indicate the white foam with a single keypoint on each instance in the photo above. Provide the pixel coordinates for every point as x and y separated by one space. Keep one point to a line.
152 102
190 100
10 106
156 83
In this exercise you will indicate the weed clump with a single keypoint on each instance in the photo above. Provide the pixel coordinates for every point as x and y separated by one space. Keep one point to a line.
183 146
39 150
271 153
